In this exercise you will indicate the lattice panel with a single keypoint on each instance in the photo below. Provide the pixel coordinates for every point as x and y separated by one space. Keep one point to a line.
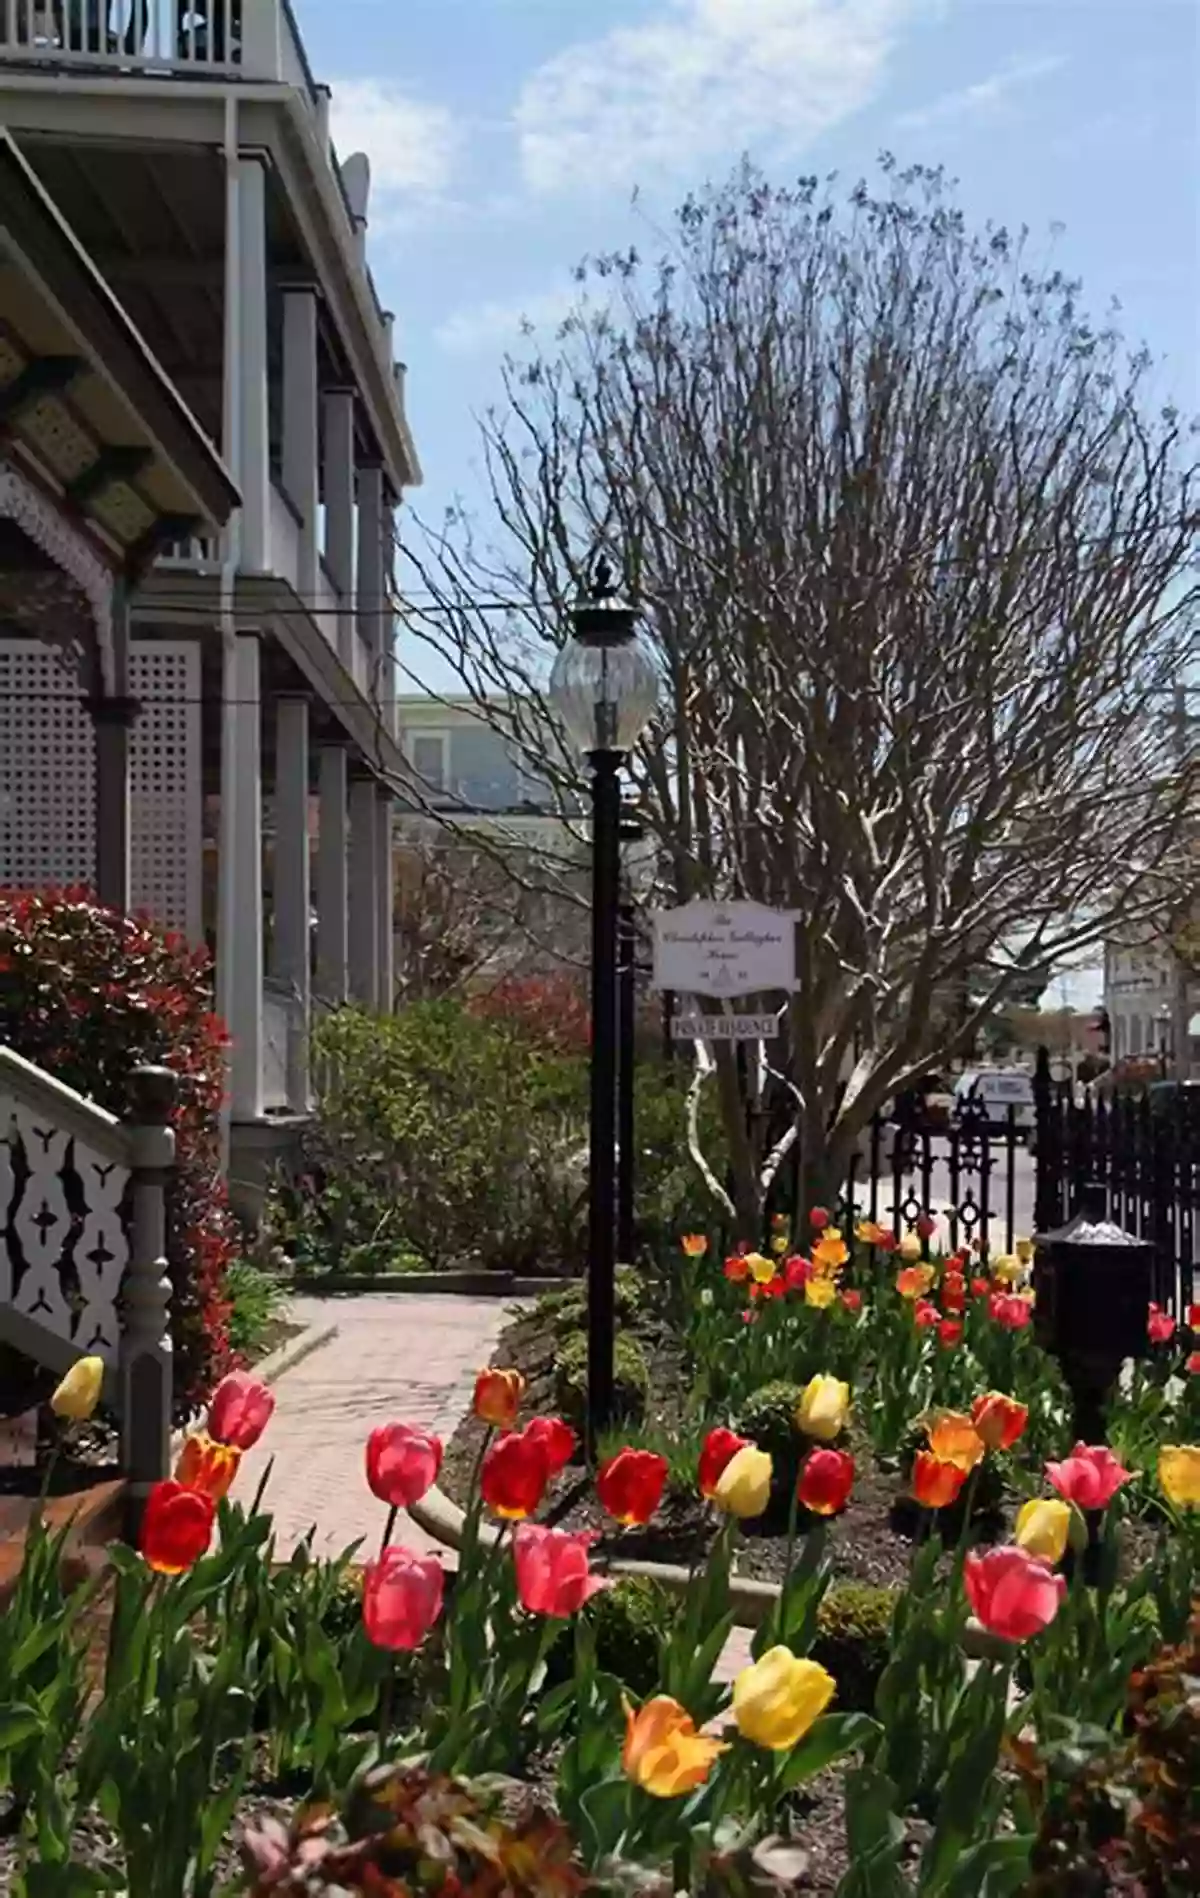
47 828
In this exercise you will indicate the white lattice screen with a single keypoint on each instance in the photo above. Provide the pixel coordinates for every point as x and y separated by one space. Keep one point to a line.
46 777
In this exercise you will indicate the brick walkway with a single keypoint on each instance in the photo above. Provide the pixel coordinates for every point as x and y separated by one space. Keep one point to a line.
402 1359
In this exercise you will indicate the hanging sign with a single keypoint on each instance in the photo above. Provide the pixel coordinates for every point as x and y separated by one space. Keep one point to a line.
724 1027
721 949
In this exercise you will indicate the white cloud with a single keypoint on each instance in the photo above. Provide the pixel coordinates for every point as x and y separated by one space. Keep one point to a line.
706 80
487 327
984 96
412 145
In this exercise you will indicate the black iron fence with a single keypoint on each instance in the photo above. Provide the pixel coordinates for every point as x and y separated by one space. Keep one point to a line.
972 1173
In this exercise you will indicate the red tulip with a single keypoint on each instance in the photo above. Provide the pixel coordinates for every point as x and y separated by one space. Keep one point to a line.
998 1420
514 1476
555 1437
925 1314
402 1598
819 1218
852 1300
1192 1364
177 1527
980 1287
826 1481
1011 1593
630 1485
1090 1477
1010 1310
796 1272
954 1293
720 1447
240 1410
887 1241
926 1226
402 1463
1194 1318
950 1333
553 1577
1160 1326
735 1267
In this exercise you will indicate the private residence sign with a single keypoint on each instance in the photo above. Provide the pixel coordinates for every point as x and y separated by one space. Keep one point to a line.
723 949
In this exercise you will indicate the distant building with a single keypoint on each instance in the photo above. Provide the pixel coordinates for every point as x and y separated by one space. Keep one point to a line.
1153 1005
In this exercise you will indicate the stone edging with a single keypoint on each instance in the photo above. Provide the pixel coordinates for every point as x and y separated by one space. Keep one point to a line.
751 1601
294 1351
458 1284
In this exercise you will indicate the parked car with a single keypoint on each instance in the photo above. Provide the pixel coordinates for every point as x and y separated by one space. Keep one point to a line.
997 1090
926 1106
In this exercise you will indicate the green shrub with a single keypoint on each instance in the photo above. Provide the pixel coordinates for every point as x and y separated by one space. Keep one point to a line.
440 1139
854 1624
630 1622
568 1309
255 1305
768 1418
631 1378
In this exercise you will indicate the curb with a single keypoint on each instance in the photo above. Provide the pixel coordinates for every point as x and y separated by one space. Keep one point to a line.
751 1601
456 1284
289 1355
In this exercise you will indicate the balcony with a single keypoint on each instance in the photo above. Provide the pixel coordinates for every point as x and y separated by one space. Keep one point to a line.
208 39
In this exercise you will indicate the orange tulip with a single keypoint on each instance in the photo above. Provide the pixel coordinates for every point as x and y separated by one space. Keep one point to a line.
663 1753
207 1466
998 1419
498 1397
913 1281
936 1483
830 1252
953 1438
694 1244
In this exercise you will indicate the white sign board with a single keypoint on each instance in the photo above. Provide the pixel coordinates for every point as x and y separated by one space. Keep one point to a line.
724 1027
722 949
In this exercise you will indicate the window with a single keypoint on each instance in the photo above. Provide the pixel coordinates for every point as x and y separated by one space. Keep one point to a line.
430 754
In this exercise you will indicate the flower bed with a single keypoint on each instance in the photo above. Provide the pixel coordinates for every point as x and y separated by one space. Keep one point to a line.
400 1694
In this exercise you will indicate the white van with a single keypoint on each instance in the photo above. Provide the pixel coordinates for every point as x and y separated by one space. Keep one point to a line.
998 1089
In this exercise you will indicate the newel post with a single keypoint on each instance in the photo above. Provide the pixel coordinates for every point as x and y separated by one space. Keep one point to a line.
146 1369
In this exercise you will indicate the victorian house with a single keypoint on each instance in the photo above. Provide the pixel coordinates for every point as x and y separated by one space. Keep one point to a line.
185 155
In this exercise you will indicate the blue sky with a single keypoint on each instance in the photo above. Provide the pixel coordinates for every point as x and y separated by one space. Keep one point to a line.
506 137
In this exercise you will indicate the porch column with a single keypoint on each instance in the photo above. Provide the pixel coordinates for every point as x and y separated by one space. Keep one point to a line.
370 575
292 895
339 512
240 919
385 896
112 721
364 908
254 469
332 868
300 445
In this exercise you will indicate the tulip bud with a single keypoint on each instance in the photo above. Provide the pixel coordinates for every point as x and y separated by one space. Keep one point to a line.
824 1408
78 1393
779 1697
744 1485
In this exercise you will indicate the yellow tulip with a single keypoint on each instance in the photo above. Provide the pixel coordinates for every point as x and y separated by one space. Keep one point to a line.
1008 1268
663 1753
824 1408
820 1292
910 1246
744 1485
780 1244
779 1697
1043 1528
1179 1474
1025 1251
869 1233
79 1392
760 1268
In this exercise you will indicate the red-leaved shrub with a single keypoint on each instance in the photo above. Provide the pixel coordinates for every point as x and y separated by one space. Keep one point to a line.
89 995
551 1009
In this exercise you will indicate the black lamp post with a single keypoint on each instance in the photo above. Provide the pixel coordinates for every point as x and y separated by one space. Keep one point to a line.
631 832
604 687
1093 1284
1164 1039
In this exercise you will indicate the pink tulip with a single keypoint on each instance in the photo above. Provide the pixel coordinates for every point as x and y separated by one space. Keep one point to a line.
552 1569
1160 1326
402 1598
402 1463
240 1410
1011 1593
1089 1477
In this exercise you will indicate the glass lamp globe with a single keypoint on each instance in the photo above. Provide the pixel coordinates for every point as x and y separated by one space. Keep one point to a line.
605 691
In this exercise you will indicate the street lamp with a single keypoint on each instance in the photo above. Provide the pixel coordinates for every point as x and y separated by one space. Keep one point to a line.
1164 1038
604 687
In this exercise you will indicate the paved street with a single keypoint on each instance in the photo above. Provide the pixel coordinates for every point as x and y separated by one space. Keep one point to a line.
396 1358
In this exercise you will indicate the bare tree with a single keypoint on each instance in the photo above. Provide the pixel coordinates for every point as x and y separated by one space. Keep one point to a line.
916 556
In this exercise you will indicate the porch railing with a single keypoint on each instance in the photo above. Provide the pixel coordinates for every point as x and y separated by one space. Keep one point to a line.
250 39
83 1244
